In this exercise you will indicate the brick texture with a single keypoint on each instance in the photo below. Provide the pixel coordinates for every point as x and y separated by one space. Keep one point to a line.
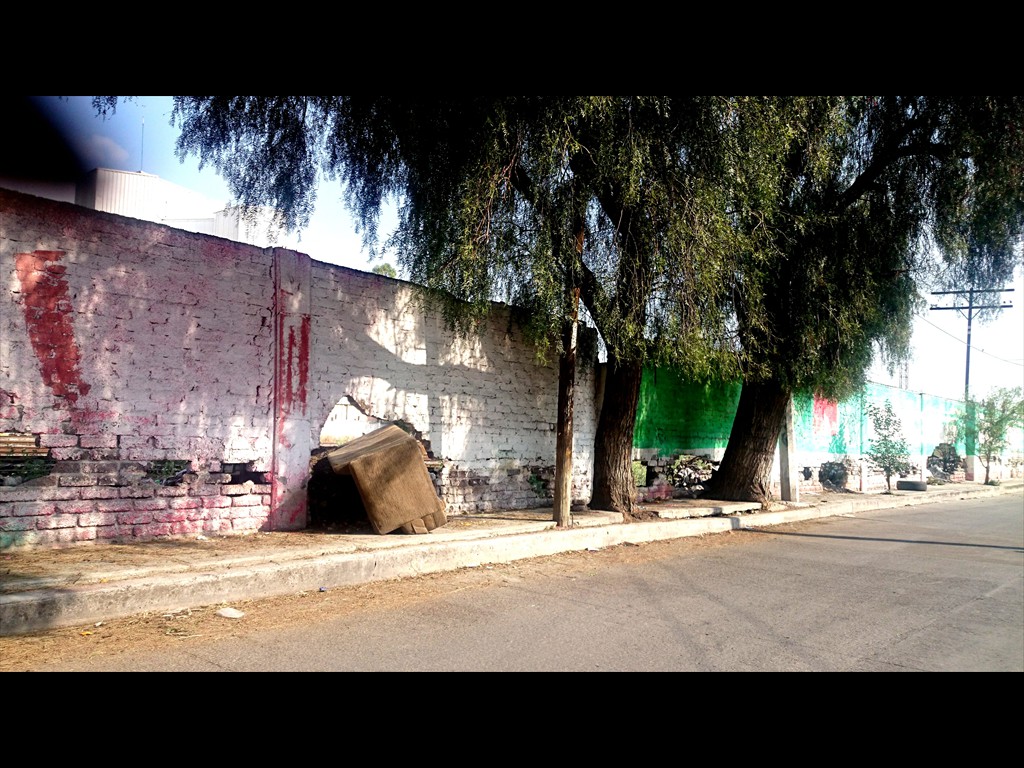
134 350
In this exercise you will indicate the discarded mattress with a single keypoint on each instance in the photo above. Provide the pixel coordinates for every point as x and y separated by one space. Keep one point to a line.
391 476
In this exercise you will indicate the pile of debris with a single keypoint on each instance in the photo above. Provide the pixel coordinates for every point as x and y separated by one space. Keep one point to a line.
680 477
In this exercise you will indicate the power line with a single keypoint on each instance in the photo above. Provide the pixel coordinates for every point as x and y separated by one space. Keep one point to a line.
976 349
971 293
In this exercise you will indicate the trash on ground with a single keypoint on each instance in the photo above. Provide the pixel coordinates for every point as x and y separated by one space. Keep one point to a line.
389 468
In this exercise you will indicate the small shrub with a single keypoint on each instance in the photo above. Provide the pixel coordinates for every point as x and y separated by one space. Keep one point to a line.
537 484
888 449
945 459
23 470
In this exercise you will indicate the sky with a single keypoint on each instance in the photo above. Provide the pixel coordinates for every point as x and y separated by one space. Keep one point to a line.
139 137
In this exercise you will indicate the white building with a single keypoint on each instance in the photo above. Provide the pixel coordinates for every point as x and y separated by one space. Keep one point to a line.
147 197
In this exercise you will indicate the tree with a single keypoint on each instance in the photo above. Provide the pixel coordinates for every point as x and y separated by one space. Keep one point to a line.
532 200
774 239
663 263
987 423
384 269
888 449
862 195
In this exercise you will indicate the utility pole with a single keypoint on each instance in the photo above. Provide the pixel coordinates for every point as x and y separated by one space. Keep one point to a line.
971 294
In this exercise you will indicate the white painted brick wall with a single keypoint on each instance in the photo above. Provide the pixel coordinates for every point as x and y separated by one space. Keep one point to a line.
483 403
172 332
170 343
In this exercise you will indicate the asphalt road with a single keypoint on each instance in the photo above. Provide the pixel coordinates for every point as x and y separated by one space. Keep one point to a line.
935 587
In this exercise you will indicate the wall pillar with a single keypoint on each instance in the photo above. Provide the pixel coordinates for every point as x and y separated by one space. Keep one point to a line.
292 441
923 453
789 484
862 465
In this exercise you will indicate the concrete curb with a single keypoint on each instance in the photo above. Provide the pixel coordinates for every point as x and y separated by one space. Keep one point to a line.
95 597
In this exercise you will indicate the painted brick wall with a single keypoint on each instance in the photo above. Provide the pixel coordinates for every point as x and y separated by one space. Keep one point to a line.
677 416
483 405
124 343
829 431
124 336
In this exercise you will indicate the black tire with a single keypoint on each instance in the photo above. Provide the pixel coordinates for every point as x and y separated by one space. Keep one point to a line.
911 485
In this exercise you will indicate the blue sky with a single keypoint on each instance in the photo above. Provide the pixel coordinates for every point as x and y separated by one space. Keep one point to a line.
139 137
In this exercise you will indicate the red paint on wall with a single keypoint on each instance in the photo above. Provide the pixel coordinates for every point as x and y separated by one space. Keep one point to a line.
303 361
826 417
295 365
48 316
288 396
293 510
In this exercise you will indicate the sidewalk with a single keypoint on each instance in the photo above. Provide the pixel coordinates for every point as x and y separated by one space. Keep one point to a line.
45 589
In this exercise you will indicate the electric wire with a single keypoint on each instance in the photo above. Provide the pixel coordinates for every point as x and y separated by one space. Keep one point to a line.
974 348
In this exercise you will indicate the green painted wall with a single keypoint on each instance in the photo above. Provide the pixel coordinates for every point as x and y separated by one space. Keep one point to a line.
823 427
944 412
675 415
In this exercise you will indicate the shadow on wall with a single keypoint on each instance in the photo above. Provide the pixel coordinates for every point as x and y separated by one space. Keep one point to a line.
482 406
396 363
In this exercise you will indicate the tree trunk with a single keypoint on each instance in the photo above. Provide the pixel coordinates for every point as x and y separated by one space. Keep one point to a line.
614 488
562 514
563 437
745 471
